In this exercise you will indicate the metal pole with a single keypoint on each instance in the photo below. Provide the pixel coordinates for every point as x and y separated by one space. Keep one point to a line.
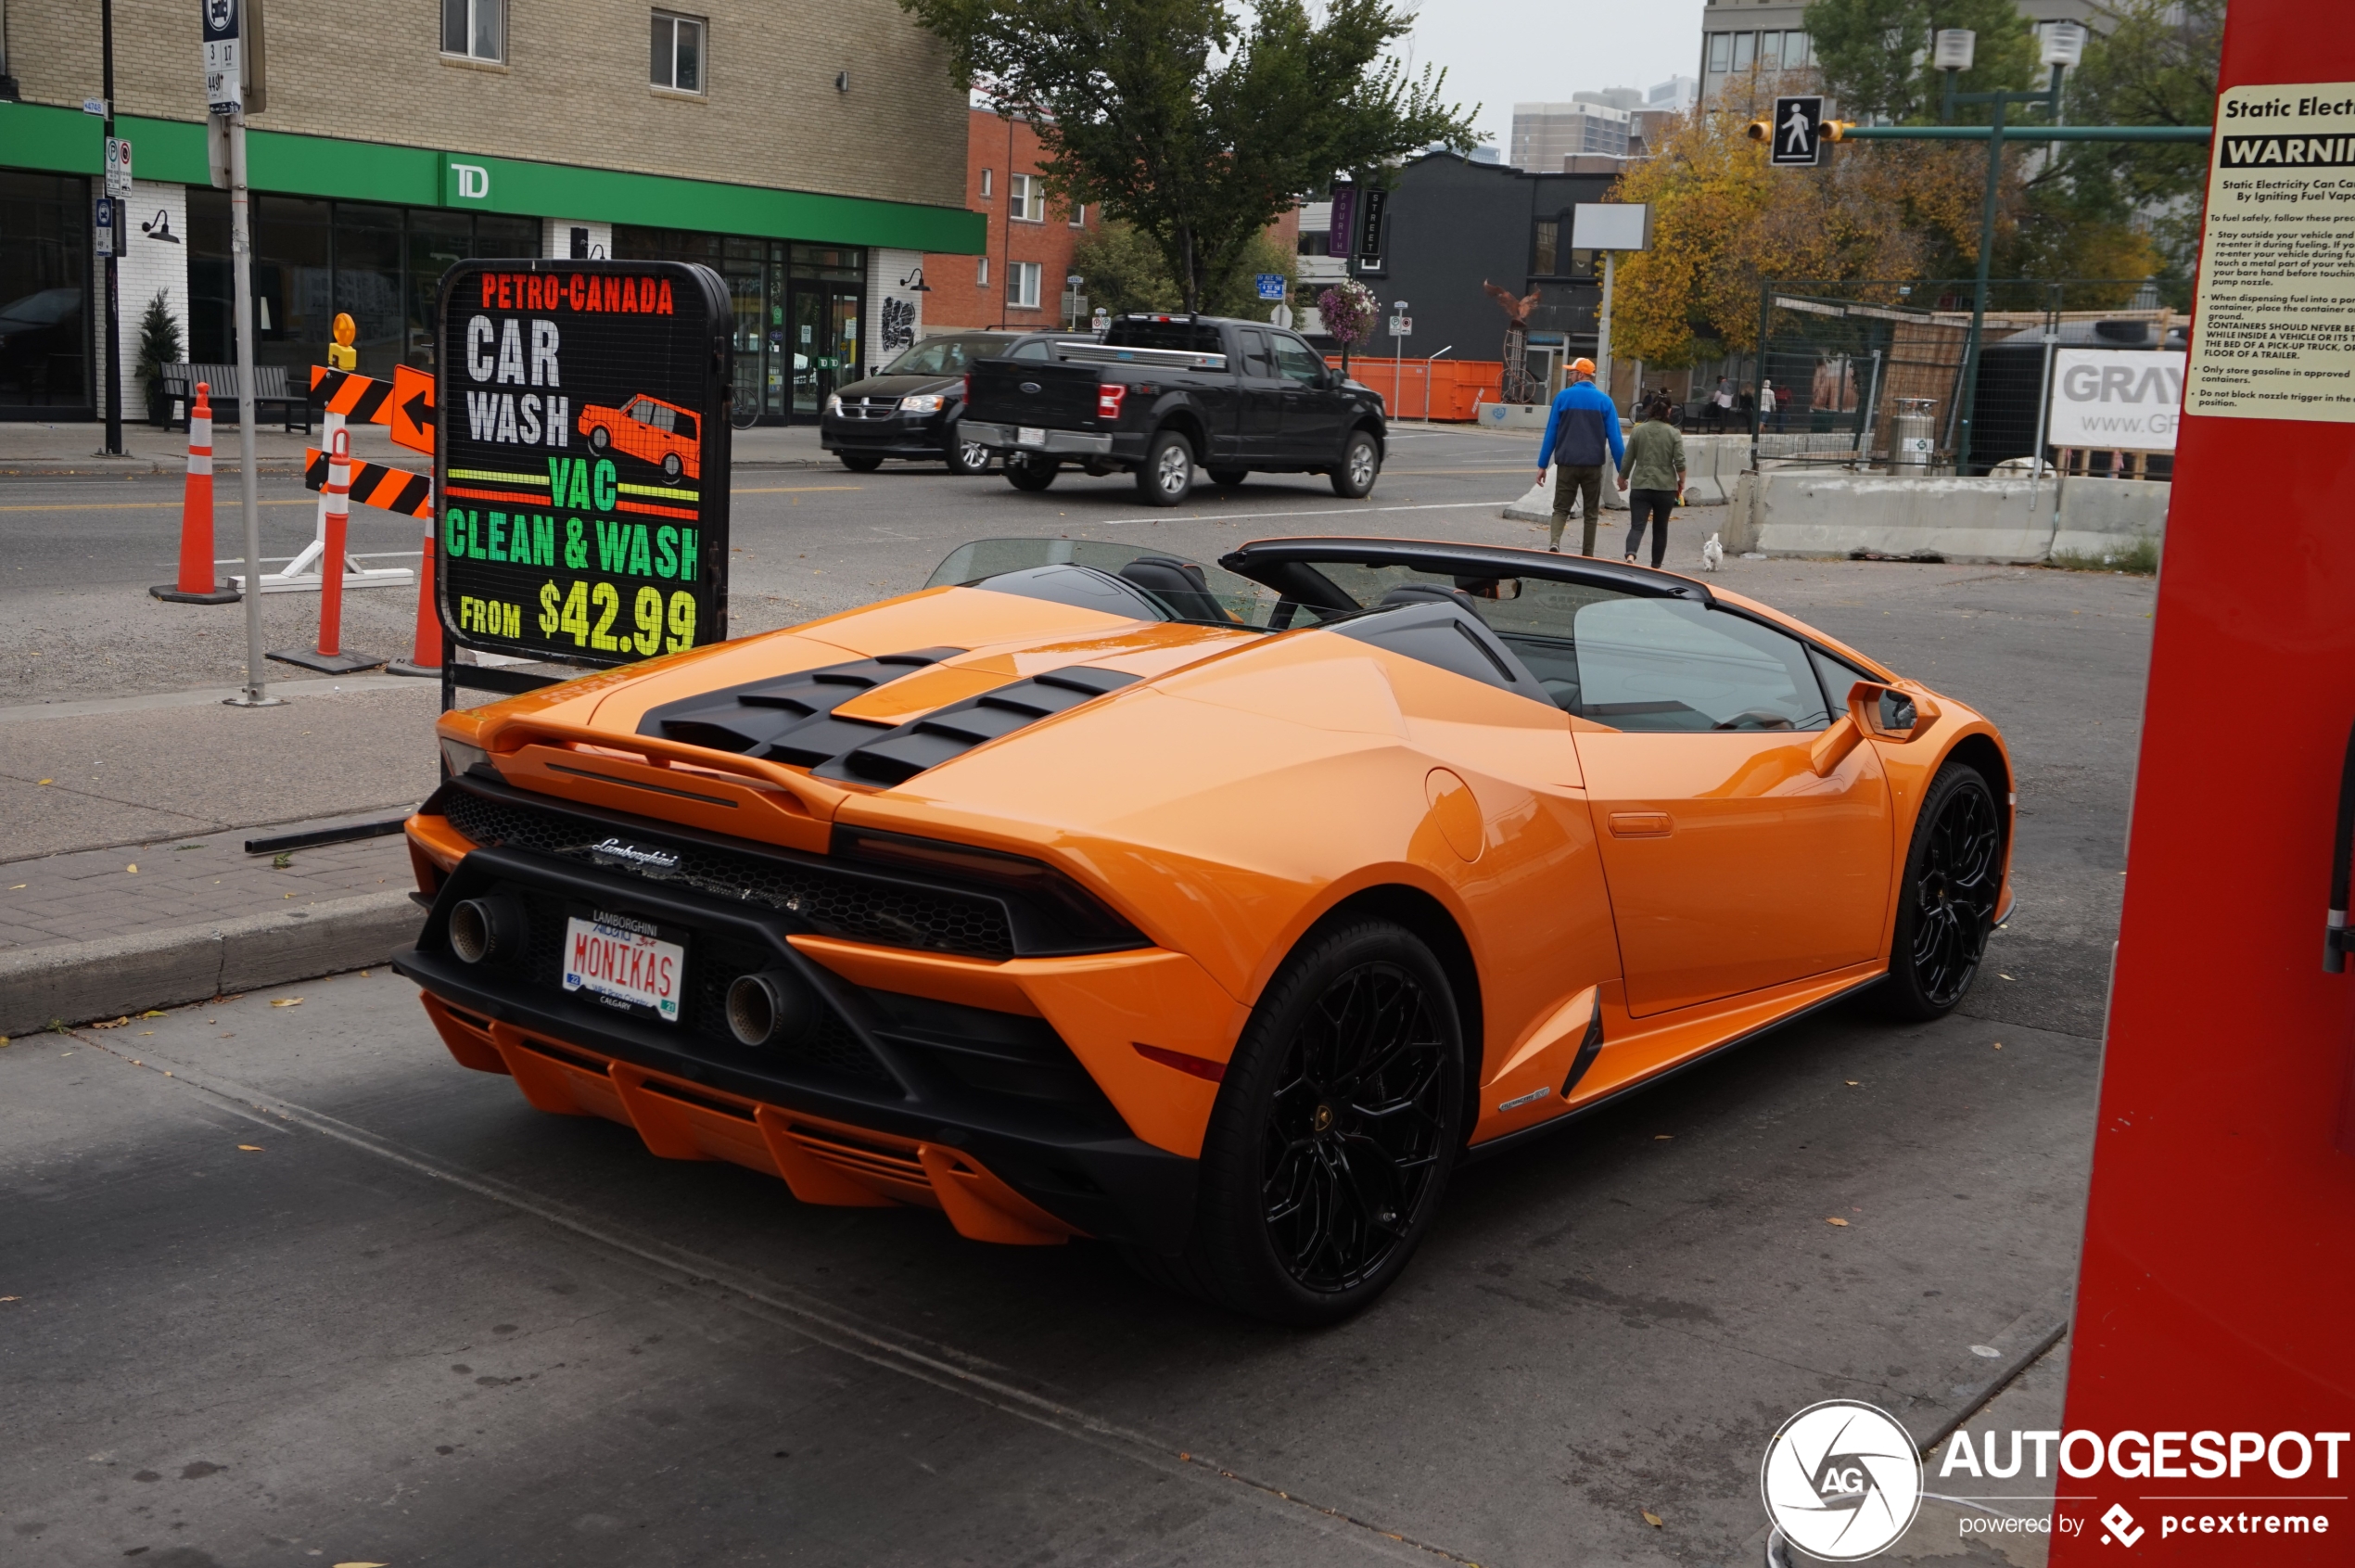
2044 417
1765 294
1872 405
1970 395
241 279
114 252
1602 331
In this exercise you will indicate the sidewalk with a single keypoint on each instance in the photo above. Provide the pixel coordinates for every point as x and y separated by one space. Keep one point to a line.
30 449
173 784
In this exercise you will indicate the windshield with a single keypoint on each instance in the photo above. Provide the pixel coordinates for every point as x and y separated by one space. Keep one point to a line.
1164 332
946 356
1147 581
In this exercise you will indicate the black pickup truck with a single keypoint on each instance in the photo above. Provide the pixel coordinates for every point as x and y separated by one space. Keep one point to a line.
1162 394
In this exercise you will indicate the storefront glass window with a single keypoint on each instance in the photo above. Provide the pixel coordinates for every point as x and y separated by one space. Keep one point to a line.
45 291
368 247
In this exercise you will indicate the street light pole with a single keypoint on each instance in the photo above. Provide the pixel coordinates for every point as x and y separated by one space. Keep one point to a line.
114 250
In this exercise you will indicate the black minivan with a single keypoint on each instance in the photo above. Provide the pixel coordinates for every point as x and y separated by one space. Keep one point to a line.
911 407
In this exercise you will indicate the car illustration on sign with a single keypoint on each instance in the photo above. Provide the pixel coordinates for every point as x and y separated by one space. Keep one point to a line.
1217 912
649 429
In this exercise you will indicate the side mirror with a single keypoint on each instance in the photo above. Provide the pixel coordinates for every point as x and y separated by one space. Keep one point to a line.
1889 713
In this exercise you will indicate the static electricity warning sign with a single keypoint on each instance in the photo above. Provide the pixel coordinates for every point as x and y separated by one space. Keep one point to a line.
2274 333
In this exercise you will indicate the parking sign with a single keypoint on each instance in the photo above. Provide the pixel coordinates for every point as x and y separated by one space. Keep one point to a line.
1271 286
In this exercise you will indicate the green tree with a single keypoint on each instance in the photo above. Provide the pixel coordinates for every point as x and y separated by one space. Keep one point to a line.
1195 122
1875 54
1124 272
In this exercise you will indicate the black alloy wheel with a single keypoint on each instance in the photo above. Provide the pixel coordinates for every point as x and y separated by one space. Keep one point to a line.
1953 874
1337 1125
1360 467
965 457
1166 476
1034 471
860 461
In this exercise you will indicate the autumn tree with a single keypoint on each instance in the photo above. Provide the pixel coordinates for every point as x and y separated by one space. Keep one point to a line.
1124 270
1724 222
1874 56
1198 123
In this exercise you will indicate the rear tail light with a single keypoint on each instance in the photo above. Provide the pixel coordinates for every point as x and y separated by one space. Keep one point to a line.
968 393
1108 398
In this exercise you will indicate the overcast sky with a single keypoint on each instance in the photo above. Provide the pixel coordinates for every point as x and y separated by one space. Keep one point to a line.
1499 52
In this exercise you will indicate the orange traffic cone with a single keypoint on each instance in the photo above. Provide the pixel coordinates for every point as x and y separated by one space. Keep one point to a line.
426 660
196 584
335 500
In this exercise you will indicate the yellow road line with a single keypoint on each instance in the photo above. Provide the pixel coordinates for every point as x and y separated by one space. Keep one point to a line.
138 506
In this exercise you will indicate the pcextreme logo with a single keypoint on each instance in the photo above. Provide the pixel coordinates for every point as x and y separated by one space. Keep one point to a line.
1841 1480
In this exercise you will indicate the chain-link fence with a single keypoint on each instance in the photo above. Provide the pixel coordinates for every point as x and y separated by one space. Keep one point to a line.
1885 365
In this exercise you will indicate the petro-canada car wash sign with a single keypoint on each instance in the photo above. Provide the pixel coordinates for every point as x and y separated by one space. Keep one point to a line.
580 476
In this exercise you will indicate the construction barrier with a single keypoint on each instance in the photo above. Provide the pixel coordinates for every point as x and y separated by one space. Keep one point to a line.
196 584
356 397
1428 388
374 484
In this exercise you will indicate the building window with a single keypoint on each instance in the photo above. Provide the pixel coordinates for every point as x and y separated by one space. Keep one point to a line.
678 53
1022 283
1026 198
984 185
1545 251
475 29
1799 51
1745 47
1770 51
981 271
1721 51
1312 241
1079 216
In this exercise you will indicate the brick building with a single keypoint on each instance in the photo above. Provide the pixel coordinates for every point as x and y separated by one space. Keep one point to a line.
741 133
1018 280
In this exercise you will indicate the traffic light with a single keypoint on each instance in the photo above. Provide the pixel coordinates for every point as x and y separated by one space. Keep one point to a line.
1832 131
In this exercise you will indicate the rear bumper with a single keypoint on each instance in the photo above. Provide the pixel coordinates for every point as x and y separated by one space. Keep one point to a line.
1058 443
1010 1142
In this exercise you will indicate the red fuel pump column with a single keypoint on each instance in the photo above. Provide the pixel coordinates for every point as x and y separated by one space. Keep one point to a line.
2213 1355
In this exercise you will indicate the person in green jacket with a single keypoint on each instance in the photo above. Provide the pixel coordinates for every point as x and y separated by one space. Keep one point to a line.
1652 473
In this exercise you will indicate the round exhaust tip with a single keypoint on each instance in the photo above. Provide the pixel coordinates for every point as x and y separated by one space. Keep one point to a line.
481 928
768 1007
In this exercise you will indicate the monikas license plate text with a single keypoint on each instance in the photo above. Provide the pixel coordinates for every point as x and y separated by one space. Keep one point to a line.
621 957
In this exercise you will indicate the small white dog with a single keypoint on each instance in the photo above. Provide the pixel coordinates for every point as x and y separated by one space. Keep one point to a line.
1711 554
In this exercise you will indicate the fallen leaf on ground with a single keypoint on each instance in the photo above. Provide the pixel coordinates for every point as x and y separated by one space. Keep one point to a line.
132 868
153 1013
250 1148
20 886
2000 976
1836 1219
360 1565
287 1001
7 1298
1999 1045
114 1023
1651 1519
1662 1137
48 781
1853 1083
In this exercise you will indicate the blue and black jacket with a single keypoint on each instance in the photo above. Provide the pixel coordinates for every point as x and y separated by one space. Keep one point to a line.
1581 422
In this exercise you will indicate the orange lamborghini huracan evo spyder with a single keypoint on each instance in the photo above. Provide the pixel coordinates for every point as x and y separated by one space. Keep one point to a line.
1212 911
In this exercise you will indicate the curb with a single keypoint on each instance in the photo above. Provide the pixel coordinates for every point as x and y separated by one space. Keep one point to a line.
108 977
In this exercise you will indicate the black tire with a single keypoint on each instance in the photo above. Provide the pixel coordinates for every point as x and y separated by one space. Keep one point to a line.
860 461
599 438
1166 476
965 457
670 465
1319 1177
1025 471
1947 901
1226 476
1360 467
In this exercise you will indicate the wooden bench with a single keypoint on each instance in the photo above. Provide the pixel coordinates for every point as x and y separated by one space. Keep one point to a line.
270 393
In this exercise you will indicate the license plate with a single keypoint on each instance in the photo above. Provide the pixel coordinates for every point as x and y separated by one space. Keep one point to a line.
622 960
1030 435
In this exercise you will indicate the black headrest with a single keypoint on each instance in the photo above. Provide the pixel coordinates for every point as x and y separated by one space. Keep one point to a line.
1431 592
1179 584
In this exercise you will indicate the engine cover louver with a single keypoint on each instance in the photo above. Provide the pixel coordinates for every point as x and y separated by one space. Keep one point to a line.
791 719
951 732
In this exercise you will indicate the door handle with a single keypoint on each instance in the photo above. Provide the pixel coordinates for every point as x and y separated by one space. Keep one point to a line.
1833 746
1641 824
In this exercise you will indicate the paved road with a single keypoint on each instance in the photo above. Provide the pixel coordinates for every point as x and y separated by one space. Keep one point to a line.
420 1323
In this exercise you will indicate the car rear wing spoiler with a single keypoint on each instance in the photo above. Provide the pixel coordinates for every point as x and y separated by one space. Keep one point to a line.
1109 353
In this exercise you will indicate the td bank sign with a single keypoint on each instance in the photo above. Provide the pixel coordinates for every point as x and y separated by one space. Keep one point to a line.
464 182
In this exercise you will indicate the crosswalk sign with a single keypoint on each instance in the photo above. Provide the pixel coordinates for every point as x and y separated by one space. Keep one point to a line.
1798 130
